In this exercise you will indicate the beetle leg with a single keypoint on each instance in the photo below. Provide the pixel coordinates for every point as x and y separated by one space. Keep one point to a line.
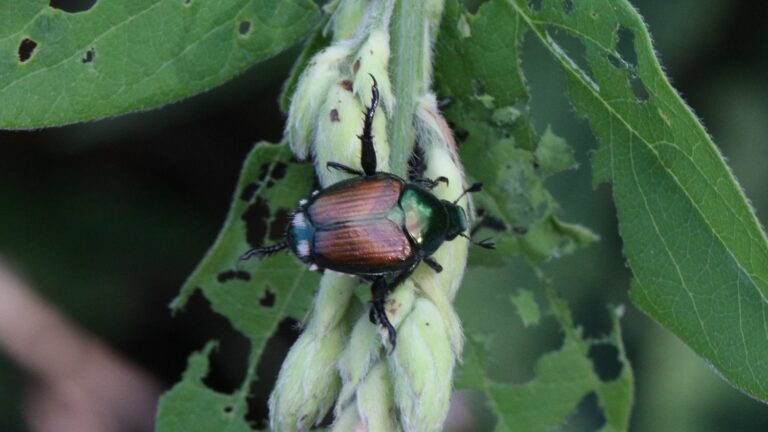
431 184
430 261
264 251
379 290
368 153
344 168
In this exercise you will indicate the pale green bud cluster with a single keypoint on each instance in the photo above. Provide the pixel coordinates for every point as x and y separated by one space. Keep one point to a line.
341 357
308 381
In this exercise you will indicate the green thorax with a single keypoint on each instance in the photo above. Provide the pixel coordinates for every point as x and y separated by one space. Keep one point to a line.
426 218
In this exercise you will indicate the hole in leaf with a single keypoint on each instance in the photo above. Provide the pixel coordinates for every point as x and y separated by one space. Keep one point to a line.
228 409
587 416
574 51
187 2
594 324
278 172
626 46
269 365
229 275
606 361
89 55
72 6
263 172
568 6
244 28
638 88
520 367
255 218
268 299
248 191
279 224
616 61
228 362
26 49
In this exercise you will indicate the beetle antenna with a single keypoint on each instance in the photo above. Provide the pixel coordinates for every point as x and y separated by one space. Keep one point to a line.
263 251
476 187
485 243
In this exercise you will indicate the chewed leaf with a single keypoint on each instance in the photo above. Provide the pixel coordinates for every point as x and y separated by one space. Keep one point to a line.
59 67
192 406
269 188
696 249
562 378
253 295
498 144
526 307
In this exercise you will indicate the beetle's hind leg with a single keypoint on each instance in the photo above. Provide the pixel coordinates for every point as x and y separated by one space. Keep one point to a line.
368 153
264 251
378 315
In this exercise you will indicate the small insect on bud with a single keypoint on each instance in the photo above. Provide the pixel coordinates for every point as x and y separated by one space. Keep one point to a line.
323 70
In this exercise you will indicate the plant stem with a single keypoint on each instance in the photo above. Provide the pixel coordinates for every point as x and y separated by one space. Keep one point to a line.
410 47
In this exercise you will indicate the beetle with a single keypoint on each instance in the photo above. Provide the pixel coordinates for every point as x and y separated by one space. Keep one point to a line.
375 225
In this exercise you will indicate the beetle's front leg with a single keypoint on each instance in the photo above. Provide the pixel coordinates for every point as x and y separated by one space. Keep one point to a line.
368 153
379 291
431 184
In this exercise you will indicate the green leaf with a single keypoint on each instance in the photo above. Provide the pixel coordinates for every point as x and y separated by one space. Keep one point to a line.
563 378
124 56
697 251
253 295
500 147
526 307
191 406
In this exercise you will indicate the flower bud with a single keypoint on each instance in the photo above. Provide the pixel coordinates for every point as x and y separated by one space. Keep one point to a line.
348 421
373 60
365 343
322 71
422 369
340 123
347 18
309 381
375 406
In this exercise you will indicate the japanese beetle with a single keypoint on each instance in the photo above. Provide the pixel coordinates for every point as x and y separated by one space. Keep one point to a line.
375 225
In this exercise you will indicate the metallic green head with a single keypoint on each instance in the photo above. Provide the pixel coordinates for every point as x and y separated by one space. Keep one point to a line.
457 220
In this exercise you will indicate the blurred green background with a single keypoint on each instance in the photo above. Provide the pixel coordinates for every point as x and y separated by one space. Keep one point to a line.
106 220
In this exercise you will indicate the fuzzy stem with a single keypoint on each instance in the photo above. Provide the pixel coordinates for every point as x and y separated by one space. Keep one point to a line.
410 46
